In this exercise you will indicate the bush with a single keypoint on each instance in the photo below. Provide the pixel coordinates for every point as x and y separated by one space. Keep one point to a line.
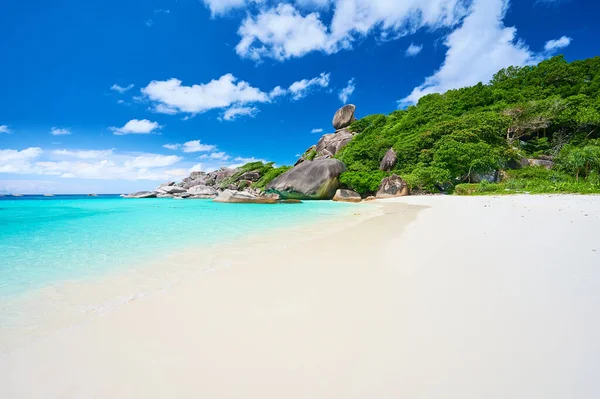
580 161
269 176
429 179
364 183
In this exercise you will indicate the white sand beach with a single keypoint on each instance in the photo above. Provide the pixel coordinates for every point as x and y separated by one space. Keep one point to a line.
419 297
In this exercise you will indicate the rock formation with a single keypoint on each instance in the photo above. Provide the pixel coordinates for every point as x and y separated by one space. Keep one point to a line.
389 161
241 197
311 180
392 186
141 194
344 117
347 196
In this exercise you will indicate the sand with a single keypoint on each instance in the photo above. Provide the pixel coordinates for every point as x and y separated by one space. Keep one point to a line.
420 297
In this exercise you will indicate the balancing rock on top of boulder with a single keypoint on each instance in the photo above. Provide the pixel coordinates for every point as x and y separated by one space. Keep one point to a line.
344 117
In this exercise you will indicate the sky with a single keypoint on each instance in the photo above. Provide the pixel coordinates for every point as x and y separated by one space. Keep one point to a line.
119 96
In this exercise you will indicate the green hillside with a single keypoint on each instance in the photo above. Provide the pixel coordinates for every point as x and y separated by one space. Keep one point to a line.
548 112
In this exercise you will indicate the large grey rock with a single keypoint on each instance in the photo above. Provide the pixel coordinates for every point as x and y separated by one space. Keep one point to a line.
160 195
389 161
317 180
347 196
392 186
242 197
250 176
168 184
142 194
216 177
171 190
203 191
333 143
344 117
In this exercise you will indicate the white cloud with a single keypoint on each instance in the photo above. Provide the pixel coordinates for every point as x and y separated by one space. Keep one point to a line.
283 32
277 92
84 154
5 129
347 91
317 130
238 98
413 50
219 7
162 11
172 147
221 156
149 22
91 164
480 47
55 131
221 93
153 161
554 45
121 89
235 112
136 126
197 146
301 88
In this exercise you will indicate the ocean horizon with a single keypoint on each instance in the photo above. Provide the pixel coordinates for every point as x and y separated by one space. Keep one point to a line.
49 240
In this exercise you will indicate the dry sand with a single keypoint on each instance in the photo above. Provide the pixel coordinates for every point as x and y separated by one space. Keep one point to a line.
438 297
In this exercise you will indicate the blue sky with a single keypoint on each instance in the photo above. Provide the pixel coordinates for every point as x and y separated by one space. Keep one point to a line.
116 96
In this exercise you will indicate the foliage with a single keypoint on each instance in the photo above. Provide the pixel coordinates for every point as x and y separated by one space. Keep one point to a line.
534 180
364 183
269 176
580 161
551 109
259 167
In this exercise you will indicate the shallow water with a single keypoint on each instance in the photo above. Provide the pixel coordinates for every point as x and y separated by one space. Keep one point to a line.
47 240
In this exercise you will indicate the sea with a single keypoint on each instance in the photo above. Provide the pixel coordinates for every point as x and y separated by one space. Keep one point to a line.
48 240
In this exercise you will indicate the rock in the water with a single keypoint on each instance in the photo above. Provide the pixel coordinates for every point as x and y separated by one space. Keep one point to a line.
160 195
389 161
241 197
142 194
344 117
171 190
545 163
392 186
203 192
311 180
347 196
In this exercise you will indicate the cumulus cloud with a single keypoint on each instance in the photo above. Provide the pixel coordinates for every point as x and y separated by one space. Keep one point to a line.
237 98
91 164
554 45
317 130
221 156
136 126
197 146
219 7
84 154
413 50
347 91
301 88
121 89
477 49
55 131
219 93
236 112
284 31
172 147
5 129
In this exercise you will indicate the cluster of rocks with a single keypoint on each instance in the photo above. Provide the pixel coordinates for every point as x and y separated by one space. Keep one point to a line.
332 143
316 176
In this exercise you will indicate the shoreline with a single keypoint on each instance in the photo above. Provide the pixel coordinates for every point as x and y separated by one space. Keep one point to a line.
428 297
69 303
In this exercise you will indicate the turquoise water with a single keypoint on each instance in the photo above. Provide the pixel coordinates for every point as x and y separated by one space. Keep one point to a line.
45 240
